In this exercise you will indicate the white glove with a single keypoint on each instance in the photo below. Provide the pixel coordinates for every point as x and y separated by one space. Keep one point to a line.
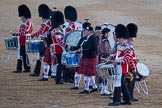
28 35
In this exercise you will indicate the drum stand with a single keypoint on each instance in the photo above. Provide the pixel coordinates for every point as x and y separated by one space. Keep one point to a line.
141 84
110 83
110 80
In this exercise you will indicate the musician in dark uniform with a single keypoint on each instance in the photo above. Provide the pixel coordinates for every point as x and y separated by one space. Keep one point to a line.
43 10
89 58
77 76
25 28
57 21
104 44
98 34
132 29
104 52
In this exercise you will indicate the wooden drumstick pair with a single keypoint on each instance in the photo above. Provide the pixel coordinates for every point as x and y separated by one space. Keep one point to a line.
107 59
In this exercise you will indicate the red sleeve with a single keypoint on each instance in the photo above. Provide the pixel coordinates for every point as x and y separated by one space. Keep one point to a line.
74 27
132 63
25 28
59 40
41 30
21 31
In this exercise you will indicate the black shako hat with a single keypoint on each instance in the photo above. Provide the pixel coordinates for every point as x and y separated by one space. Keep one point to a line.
105 30
98 28
87 26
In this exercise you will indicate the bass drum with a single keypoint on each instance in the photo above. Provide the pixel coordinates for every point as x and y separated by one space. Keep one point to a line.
141 84
72 38
143 71
112 29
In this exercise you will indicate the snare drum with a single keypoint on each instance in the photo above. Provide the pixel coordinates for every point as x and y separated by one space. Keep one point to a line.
11 43
143 71
34 46
105 71
70 59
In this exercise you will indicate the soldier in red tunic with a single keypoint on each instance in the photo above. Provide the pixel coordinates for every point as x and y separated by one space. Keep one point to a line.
132 29
122 60
57 21
25 28
71 16
44 13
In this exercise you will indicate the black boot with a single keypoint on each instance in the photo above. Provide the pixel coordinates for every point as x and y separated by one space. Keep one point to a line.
37 69
116 97
43 79
19 66
131 85
126 93
58 75
26 63
50 72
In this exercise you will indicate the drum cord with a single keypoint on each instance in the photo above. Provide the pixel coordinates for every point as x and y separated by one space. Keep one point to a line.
144 88
32 61
8 59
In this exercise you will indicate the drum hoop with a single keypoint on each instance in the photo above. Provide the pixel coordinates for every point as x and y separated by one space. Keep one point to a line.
34 40
101 71
11 43
30 43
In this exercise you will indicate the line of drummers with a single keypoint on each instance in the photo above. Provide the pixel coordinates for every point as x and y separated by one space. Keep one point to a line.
71 49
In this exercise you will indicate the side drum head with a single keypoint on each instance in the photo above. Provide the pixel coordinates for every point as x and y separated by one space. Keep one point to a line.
143 69
72 38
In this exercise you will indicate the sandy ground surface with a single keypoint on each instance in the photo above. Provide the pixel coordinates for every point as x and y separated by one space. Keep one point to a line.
22 91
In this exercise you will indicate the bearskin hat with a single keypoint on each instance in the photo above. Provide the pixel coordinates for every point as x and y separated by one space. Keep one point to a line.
44 11
121 31
132 29
70 13
23 10
57 19
105 30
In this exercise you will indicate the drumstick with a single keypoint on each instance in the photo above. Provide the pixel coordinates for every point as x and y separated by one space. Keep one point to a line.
107 60
141 60
72 52
11 32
